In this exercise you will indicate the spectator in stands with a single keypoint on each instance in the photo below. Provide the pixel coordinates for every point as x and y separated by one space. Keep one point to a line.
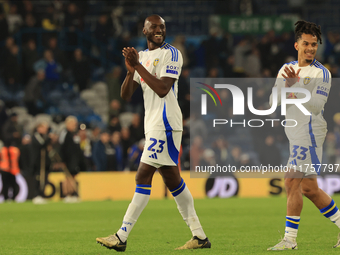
86 147
29 57
49 21
5 52
3 27
7 48
58 11
58 54
3 117
196 151
81 70
222 153
330 148
30 23
114 124
136 128
184 92
113 81
14 19
40 161
179 43
236 157
115 139
27 8
25 156
211 49
12 131
117 20
336 119
73 21
72 156
51 67
135 154
245 160
95 134
252 66
198 127
104 29
208 158
240 51
104 155
12 70
33 98
126 143
115 107
269 154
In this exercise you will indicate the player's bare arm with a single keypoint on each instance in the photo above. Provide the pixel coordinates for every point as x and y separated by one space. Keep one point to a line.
161 86
129 85
291 77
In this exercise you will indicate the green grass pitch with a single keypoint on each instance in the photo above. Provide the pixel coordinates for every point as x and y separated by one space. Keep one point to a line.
234 226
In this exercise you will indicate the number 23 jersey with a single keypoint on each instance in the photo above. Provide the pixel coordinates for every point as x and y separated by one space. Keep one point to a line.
161 113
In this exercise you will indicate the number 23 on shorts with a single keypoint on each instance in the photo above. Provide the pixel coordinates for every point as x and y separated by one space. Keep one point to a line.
154 142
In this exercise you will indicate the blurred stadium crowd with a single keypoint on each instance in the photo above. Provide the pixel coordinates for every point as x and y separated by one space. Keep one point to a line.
63 58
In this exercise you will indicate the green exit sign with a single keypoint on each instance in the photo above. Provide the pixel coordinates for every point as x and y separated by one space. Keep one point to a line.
256 24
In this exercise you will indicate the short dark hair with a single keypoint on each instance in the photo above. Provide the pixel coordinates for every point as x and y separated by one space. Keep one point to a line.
305 27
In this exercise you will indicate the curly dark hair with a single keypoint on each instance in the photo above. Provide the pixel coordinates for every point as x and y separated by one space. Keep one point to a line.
305 27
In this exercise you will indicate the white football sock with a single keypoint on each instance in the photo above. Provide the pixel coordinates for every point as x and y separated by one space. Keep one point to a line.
137 205
292 225
185 205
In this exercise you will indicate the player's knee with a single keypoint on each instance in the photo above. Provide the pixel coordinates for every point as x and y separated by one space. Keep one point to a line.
291 184
309 192
144 175
141 178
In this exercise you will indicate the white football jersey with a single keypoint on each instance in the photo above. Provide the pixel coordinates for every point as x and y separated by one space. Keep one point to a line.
311 129
161 113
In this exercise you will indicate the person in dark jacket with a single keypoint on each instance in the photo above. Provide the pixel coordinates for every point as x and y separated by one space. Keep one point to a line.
81 70
40 161
104 154
72 156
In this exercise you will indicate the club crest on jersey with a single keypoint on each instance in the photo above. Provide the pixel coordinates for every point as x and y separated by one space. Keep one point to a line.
155 62
147 63
306 80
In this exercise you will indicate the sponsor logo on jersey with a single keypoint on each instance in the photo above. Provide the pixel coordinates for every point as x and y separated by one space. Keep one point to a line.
155 62
322 91
172 69
306 80
148 63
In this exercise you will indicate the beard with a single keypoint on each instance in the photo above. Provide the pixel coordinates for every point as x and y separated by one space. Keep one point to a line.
149 37
309 61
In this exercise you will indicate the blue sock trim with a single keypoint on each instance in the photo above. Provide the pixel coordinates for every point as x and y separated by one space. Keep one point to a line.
178 190
143 186
332 212
292 223
329 210
327 207
143 189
